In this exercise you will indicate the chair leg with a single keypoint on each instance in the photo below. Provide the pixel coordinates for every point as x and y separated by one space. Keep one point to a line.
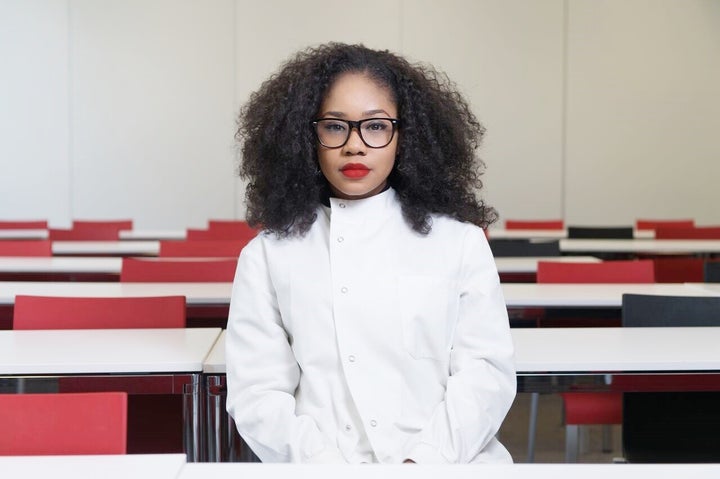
532 426
572 432
607 436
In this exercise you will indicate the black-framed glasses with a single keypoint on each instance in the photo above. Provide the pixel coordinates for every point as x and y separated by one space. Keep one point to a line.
374 132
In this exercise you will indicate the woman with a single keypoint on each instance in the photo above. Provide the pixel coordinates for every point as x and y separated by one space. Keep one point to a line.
367 323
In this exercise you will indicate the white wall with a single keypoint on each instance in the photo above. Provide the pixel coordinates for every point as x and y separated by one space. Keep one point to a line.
598 111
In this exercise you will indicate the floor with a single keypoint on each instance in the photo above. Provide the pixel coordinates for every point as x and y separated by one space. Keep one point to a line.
550 437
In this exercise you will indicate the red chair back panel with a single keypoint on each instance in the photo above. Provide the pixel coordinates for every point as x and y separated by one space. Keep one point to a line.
534 225
100 233
117 224
679 270
705 232
23 225
654 224
25 248
58 312
641 271
206 249
593 408
62 424
200 271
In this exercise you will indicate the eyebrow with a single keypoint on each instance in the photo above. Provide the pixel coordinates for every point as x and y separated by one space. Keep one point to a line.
340 114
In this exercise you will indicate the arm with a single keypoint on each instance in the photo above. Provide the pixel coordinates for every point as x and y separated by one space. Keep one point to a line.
262 373
482 382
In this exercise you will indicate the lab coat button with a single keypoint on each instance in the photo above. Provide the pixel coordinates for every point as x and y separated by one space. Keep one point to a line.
348 427
340 239
351 358
373 423
343 289
341 205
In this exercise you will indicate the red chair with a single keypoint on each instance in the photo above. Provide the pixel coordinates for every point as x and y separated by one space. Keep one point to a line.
223 230
25 248
534 224
62 424
60 312
202 248
91 231
178 270
704 232
591 408
633 271
679 270
655 224
23 225
154 420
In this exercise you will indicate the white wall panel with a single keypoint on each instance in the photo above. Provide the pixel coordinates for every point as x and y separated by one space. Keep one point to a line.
152 103
643 110
506 56
34 124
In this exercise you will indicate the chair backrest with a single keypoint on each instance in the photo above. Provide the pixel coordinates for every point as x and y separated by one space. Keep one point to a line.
61 312
712 272
671 426
534 224
630 271
63 423
23 225
678 270
99 233
655 224
705 232
521 247
202 248
223 230
180 270
600 232
25 248
90 224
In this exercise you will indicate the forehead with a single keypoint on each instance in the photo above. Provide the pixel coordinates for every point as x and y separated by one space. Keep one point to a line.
356 93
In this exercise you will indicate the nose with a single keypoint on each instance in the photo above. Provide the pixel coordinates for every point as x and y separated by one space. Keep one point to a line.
354 144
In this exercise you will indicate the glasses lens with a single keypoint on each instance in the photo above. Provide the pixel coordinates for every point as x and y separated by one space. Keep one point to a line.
376 132
332 133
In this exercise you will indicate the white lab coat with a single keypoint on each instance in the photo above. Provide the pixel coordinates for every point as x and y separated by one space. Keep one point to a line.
364 341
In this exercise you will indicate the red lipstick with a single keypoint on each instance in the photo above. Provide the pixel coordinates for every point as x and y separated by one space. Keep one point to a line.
355 170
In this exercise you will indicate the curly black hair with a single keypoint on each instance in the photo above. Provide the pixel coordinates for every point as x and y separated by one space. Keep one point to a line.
436 170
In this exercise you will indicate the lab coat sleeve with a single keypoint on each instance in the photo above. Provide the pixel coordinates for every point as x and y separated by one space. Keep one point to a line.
482 382
262 373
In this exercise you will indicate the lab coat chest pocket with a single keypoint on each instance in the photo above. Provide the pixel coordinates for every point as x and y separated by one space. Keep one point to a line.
428 313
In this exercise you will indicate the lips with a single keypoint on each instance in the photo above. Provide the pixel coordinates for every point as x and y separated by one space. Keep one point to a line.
355 170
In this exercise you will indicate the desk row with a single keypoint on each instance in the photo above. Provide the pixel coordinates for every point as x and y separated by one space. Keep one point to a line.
173 466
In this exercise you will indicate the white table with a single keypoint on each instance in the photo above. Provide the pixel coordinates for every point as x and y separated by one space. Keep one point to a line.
645 246
156 466
173 358
457 471
590 295
53 265
500 233
23 234
106 248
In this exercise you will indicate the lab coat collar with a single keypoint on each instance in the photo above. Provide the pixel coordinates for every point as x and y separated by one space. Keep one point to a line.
377 206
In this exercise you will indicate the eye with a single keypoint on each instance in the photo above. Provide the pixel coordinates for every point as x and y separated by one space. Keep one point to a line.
376 125
332 126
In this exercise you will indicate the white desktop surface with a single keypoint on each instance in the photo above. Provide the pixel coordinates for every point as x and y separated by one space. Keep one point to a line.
652 246
152 234
456 471
215 361
156 466
590 295
24 234
528 264
86 351
500 233
128 248
195 293
648 349
79 264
